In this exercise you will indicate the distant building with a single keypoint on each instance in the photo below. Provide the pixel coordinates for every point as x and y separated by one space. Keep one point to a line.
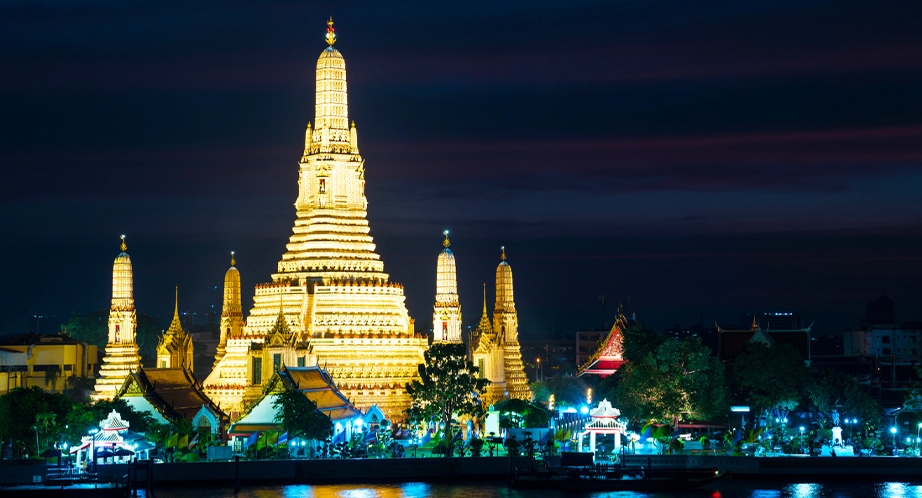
733 340
587 343
773 320
557 356
45 361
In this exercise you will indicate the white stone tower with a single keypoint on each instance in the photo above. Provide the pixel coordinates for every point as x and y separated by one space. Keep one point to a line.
446 314
121 356
231 312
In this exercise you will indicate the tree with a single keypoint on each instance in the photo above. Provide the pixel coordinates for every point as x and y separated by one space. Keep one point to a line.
448 385
769 378
678 380
91 328
639 342
25 410
835 391
298 415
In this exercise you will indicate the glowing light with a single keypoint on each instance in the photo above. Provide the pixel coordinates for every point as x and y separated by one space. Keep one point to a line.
584 410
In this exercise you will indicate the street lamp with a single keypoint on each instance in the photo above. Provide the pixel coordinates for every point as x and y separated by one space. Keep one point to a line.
917 435
893 432
537 368
802 439
93 447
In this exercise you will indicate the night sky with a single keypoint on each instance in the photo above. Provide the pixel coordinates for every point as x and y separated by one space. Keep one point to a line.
697 160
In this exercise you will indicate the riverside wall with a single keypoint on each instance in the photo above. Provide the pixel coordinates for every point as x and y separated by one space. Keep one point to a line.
883 467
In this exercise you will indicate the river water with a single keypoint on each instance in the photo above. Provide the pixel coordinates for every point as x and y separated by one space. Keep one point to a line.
726 489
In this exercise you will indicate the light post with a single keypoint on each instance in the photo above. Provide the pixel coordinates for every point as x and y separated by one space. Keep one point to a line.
893 432
36 440
918 431
538 369
801 439
93 447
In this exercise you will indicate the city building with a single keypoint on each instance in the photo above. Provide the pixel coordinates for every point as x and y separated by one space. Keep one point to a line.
330 289
446 312
50 362
121 355
495 347
587 343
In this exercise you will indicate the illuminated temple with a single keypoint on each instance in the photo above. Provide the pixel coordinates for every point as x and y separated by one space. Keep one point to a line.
495 348
121 358
446 312
330 303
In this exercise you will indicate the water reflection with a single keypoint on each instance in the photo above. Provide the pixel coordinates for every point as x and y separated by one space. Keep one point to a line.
804 490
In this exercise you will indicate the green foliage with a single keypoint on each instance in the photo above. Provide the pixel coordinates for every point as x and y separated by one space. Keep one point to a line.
448 385
639 342
91 328
298 416
679 380
83 417
834 390
190 457
22 410
769 378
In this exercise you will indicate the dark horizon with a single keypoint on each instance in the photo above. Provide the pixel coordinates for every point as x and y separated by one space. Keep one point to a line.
698 160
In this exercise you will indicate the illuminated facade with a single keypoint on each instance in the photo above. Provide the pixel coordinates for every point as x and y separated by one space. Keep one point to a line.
446 314
495 347
121 356
330 302
175 347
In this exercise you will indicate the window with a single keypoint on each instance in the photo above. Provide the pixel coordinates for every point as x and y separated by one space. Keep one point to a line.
162 363
912 339
322 187
276 362
480 366
885 351
45 368
301 361
444 331
885 339
68 368
257 371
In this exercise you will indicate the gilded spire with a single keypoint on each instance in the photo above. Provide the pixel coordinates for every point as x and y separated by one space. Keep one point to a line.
331 33
503 248
124 247
446 242
484 299
176 309
233 261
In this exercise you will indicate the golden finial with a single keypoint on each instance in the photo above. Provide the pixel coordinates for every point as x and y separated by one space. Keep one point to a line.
503 248
124 247
331 33
233 261
446 242
176 309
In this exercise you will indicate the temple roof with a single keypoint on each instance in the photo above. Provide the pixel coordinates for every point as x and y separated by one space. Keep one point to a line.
174 392
608 358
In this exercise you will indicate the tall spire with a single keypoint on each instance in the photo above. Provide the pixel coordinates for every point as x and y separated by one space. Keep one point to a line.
331 109
176 308
446 242
446 314
123 246
503 249
233 261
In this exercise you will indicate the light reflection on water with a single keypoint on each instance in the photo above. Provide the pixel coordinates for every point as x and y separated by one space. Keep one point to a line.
727 489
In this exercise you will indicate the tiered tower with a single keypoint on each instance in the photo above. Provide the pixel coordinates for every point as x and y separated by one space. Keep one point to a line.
446 314
495 347
506 326
232 311
330 287
121 357
175 347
